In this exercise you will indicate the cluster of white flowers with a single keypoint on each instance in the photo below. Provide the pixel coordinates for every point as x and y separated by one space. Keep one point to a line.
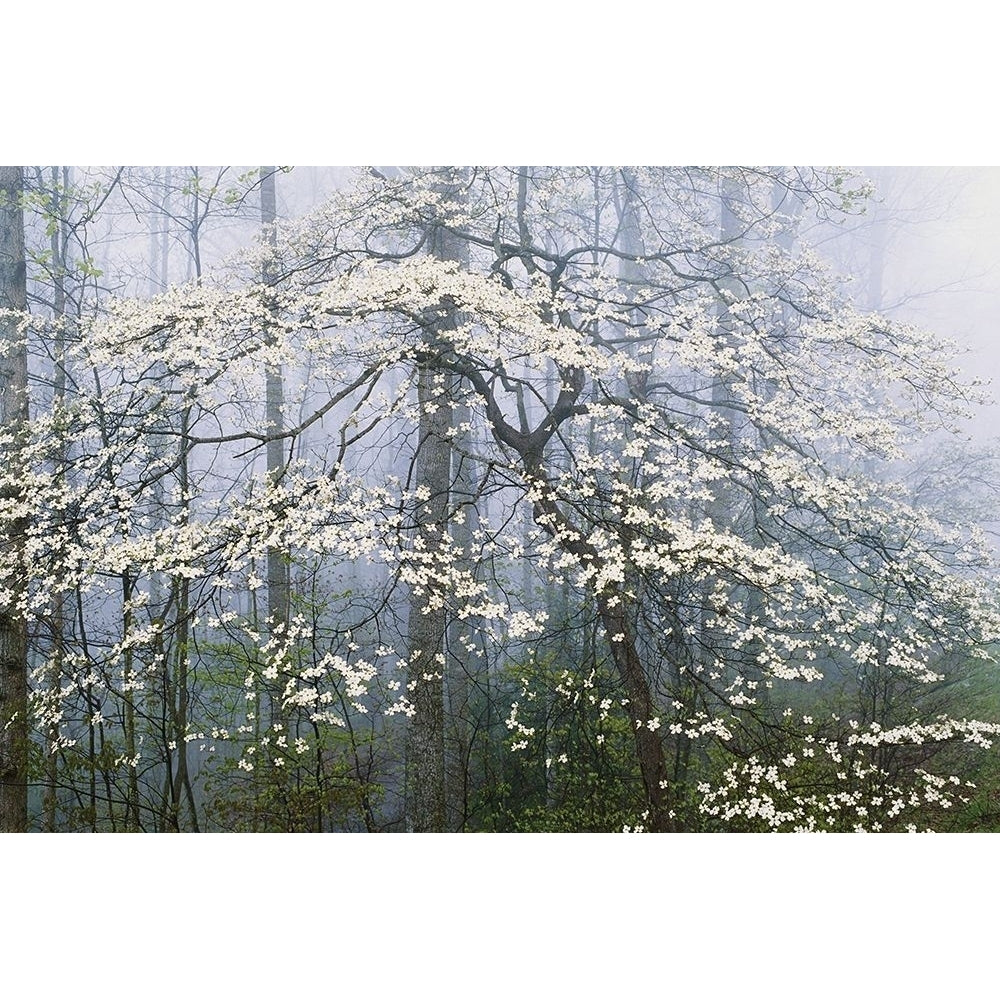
673 452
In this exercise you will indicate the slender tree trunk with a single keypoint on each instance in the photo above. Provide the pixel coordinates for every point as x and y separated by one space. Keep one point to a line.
128 689
277 569
181 785
13 418
428 620
278 577
621 619
641 709
57 245
165 235
463 664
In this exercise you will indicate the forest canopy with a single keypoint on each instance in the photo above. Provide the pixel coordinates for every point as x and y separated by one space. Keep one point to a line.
482 499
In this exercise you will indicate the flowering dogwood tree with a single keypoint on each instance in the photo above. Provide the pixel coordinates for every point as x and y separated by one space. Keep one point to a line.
619 419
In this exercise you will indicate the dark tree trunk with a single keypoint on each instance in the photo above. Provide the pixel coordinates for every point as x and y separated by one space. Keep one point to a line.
13 417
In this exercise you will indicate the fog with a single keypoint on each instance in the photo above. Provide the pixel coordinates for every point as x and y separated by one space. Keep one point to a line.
508 499
940 265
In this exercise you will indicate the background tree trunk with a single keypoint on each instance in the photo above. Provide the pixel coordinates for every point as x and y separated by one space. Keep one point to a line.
278 578
13 417
428 619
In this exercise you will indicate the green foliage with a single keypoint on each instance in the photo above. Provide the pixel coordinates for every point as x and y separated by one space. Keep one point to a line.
313 791
568 763
278 767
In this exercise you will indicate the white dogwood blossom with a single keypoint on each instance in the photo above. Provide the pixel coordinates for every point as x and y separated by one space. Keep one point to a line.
691 444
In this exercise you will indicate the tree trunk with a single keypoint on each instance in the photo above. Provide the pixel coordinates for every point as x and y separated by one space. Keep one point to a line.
13 418
428 620
463 665
641 709
278 578
58 239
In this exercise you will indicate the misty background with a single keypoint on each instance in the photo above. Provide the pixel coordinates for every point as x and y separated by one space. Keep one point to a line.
213 632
